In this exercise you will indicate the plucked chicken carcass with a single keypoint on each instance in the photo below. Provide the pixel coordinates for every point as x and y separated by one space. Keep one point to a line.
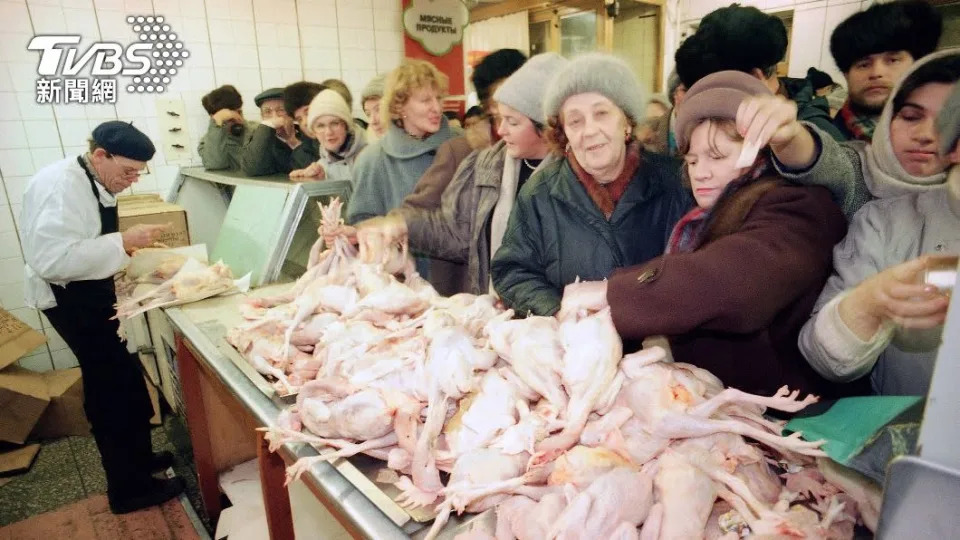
190 284
544 421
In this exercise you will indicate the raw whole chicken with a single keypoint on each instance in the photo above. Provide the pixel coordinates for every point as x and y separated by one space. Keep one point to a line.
546 422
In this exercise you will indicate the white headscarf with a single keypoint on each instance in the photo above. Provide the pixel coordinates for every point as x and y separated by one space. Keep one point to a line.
889 177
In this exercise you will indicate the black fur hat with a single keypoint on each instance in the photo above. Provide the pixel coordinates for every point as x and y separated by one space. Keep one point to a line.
908 25
495 66
735 37
299 94
225 97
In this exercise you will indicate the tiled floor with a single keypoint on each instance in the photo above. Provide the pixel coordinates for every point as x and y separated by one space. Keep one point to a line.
68 470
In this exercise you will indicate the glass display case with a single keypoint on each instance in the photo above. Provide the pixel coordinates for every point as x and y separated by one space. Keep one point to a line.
264 226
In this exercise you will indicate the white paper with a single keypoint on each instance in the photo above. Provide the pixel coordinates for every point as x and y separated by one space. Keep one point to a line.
748 154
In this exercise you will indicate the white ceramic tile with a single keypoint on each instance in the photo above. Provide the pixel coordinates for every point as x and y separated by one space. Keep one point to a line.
247 56
24 76
54 341
15 210
6 220
358 58
48 19
193 31
42 133
16 185
77 4
31 110
73 132
45 156
388 40
382 6
13 48
241 10
83 22
167 8
317 14
6 82
13 135
11 295
244 32
15 17
138 6
9 108
11 270
288 35
224 56
64 359
104 5
391 20
320 36
37 362
221 32
287 58
45 323
266 34
199 78
355 18
315 58
16 163
365 4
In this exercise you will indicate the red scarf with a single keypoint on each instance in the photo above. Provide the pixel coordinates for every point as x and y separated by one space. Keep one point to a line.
860 126
606 196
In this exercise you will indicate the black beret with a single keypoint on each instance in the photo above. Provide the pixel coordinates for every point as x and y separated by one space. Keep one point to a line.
739 38
122 139
910 25
225 97
269 93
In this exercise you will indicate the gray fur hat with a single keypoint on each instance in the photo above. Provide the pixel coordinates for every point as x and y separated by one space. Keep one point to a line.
373 89
596 72
524 89
948 122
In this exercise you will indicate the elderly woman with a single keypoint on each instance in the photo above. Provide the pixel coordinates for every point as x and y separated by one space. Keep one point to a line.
470 223
742 269
341 140
604 205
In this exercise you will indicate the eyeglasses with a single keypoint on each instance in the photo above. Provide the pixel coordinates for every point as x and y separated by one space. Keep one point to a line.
332 126
128 171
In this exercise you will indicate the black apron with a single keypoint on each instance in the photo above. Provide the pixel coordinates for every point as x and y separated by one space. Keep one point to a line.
115 395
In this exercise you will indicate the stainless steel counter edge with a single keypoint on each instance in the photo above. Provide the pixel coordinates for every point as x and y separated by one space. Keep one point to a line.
353 504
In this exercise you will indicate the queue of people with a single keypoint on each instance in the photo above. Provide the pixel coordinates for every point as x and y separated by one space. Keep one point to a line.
771 231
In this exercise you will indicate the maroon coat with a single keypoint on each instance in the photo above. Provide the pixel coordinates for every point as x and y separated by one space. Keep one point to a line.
735 306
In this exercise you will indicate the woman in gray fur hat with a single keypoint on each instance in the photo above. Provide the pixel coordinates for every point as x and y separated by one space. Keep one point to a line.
468 226
604 204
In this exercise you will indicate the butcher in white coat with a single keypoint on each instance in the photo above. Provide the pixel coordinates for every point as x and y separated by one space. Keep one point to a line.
72 249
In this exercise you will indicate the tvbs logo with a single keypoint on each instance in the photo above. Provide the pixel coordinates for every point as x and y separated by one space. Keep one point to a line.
59 56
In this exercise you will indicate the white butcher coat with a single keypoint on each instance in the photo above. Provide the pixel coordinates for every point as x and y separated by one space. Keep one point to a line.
60 232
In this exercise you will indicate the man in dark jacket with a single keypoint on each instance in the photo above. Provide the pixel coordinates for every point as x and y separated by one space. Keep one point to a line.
873 49
749 40
278 144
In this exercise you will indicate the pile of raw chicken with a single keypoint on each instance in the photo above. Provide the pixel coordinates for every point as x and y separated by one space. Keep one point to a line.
544 420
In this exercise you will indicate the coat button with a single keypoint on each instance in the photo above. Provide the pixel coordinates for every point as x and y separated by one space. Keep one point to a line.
647 275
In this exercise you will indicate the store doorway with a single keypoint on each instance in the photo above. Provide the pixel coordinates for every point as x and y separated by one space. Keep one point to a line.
636 39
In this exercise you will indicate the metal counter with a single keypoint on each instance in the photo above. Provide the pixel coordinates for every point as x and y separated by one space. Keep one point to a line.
194 324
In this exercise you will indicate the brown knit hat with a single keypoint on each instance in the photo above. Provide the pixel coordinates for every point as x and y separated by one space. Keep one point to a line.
717 95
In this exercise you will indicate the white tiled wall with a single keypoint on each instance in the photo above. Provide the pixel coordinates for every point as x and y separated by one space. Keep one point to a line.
813 22
252 44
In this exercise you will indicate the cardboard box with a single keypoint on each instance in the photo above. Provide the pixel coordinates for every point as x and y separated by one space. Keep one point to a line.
152 210
18 459
23 399
16 339
64 416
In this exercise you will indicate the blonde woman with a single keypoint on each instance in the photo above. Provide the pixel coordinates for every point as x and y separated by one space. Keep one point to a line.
387 170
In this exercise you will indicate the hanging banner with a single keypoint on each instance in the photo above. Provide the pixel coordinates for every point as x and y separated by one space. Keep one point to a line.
437 25
433 31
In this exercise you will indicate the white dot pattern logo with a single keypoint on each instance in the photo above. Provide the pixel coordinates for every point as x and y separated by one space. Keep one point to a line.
167 52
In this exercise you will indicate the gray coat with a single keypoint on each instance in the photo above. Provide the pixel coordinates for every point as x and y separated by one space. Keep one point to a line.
389 169
340 166
458 230
219 149
884 233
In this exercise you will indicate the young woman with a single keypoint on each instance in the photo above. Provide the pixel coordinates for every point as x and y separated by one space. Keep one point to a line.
742 270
